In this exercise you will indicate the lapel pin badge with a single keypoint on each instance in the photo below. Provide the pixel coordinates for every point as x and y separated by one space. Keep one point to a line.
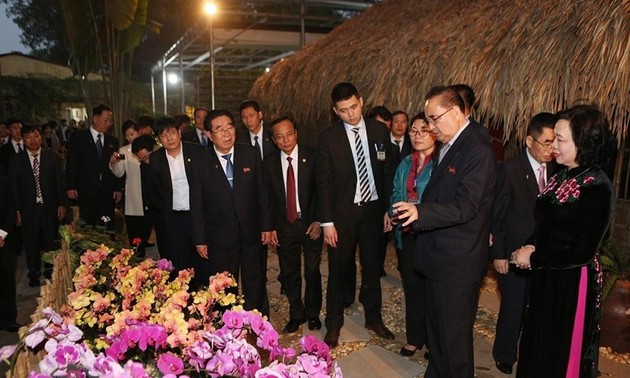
451 170
245 170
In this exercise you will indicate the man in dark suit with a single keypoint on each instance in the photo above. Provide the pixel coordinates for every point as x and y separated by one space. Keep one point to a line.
398 134
519 180
8 258
168 189
14 145
88 177
198 134
354 175
38 193
230 209
452 222
290 175
256 135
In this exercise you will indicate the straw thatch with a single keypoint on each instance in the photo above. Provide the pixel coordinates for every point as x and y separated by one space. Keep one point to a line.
521 57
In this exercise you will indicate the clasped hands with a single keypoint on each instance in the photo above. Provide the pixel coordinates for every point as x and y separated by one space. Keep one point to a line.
521 257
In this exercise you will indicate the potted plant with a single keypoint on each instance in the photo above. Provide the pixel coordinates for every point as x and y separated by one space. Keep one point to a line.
615 322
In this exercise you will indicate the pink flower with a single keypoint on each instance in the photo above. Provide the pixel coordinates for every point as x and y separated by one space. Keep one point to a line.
168 363
589 179
165 264
233 319
7 351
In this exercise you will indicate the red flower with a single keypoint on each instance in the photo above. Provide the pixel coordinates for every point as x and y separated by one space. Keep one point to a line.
136 241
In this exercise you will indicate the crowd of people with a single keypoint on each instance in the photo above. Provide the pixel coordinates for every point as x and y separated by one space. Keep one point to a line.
218 198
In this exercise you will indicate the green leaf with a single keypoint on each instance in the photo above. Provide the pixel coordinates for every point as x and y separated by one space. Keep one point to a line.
121 13
610 281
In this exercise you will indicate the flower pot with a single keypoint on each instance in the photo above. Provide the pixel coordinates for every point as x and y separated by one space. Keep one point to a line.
615 322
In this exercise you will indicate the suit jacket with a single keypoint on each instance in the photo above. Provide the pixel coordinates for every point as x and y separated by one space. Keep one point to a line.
23 182
480 128
307 189
268 146
6 151
7 211
159 184
191 136
85 170
404 151
513 219
223 216
455 212
336 173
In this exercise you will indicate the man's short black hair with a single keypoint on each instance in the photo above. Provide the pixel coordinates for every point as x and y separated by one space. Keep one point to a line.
448 97
467 93
343 91
539 122
11 121
143 142
28 129
249 104
164 124
281 119
145 120
182 119
215 114
380 111
99 109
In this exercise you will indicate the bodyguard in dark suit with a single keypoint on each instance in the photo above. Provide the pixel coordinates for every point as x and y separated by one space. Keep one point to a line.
8 258
354 177
88 177
398 135
198 134
39 196
519 180
452 222
255 135
231 217
168 189
14 145
290 175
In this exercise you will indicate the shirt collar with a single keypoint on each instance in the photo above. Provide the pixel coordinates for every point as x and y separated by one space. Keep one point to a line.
220 154
294 154
454 138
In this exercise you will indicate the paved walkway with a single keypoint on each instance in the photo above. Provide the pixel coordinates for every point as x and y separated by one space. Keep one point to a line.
360 354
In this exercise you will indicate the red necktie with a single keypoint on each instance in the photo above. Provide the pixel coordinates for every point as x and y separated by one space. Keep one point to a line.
291 204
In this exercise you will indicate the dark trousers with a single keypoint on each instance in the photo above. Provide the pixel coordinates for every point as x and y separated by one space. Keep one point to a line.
183 253
94 206
138 228
415 289
8 264
246 259
293 238
361 225
451 310
38 236
509 323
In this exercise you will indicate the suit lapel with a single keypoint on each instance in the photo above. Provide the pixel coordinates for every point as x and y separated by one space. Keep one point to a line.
217 168
450 156
529 175
303 171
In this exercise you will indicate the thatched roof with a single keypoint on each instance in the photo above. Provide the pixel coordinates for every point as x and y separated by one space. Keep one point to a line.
521 57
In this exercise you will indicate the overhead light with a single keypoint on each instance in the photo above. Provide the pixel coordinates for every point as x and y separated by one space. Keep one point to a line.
173 78
210 8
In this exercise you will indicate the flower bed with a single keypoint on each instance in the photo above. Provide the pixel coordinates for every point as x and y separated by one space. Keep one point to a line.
138 319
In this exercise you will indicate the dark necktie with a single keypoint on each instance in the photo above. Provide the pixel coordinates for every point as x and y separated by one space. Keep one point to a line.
364 181
204 141
20 149
398 143
257 145
99 146
38 187
292 214
229 169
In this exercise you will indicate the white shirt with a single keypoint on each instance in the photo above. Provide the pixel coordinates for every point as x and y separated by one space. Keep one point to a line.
181 191
535 166
30 154
16 148
223 161
133 181
285 166
402 141
366 151
95 135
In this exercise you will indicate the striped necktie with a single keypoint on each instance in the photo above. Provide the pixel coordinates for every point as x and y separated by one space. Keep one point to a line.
229 169
99 146
364 184
38 187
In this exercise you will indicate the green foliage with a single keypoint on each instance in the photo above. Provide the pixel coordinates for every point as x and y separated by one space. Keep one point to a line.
616 263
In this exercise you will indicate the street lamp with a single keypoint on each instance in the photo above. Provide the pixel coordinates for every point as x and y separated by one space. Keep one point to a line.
210 8
173 78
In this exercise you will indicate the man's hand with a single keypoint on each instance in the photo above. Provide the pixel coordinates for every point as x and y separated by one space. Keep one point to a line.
387 223
202 250
265 237
1 242
314 230
330 236
117 197
72 194
61 212
113 159
502 266
274 239
406 210
18 218
490 240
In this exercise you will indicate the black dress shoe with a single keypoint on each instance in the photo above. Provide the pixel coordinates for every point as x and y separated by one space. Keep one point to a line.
504 368
380 330
10 327
293 326
34 282
407 352
347 304
332 338
314 323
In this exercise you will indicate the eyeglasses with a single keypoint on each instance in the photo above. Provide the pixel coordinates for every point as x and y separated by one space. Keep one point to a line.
288 135
433 120
223 130
416 132
546 145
